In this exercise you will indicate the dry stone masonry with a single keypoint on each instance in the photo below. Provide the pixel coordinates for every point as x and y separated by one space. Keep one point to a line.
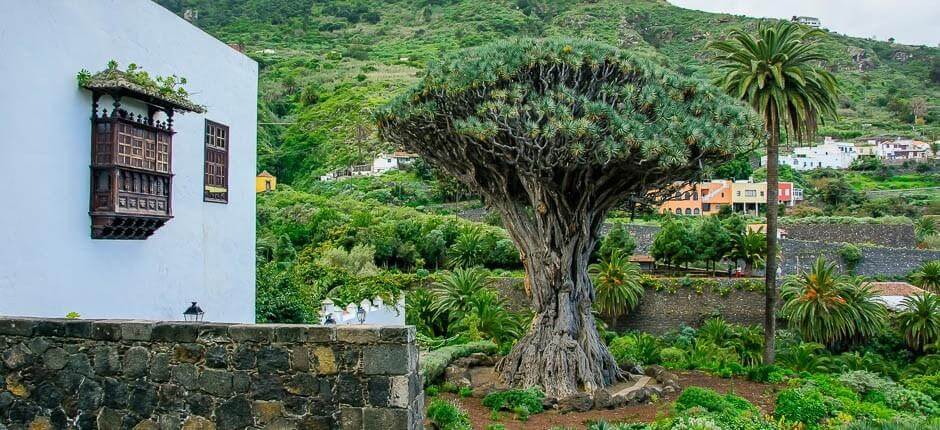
109 374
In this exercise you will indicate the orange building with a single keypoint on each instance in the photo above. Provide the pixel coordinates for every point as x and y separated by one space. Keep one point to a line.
686 201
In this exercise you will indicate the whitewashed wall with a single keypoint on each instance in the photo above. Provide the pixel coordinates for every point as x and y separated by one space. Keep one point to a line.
49 265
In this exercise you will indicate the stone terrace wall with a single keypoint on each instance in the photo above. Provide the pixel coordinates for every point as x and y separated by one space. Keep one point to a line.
890 235
662 311
168 375
876 261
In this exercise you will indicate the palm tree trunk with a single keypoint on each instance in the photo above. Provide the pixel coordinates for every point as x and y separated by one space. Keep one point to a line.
770 274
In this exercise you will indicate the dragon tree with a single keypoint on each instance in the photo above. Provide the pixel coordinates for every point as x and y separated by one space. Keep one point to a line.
553 133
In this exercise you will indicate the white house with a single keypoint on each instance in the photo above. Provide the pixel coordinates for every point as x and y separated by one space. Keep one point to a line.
810 21
396 160
902 149
153 206
380 164
832 154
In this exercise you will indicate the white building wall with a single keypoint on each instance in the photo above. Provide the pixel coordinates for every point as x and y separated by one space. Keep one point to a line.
49 265
831 154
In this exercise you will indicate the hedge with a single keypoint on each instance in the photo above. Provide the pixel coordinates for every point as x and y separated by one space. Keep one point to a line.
433 363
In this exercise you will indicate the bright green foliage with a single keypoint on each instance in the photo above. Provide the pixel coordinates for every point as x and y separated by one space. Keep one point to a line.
616 284
920 320
749 247
712 240
454 291
515 400
826 307
641 348
674 244
777 72
434 362
805 357
927 384
636 110
801 405
618 239
925 227
445 415
851 256
928 276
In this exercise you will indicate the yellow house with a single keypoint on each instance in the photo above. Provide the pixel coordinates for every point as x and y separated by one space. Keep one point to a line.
265 182
747 196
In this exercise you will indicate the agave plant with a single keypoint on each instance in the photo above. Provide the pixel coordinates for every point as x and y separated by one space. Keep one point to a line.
617 285
928 276
826 307
920 320
924 227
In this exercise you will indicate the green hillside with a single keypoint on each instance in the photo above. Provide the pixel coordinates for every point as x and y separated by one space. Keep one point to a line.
326 64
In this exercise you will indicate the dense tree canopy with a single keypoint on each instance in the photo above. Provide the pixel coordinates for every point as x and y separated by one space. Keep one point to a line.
553 133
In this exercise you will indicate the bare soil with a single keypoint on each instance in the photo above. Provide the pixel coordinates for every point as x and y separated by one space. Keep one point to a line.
760 394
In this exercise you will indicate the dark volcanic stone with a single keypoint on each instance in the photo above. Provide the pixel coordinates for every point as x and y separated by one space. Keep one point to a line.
303 384
90 396
136 361
115 393
47 395
107 361
310 422
160 368
201 404
175 332
349 390
189 352
244 357
17 356
378 391
217 357
266 387
272 359
143 399
55 358
216 382
185 375
170 397
234 414
580 402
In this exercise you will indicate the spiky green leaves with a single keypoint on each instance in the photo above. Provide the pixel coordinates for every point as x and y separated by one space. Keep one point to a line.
539 105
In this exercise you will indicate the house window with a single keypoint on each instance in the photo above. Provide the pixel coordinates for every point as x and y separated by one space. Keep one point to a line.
216 169
750 193
688 211
678 211
267 185
695 211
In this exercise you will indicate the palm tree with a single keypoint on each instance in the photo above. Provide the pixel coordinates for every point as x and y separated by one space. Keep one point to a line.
928 276
750 247
777 73
826 307
920 320
616 284
924 227
453 294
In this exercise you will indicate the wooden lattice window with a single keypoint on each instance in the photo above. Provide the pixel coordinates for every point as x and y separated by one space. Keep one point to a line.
216 170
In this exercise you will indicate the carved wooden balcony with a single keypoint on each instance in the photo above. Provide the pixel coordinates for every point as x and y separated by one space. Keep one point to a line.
131 169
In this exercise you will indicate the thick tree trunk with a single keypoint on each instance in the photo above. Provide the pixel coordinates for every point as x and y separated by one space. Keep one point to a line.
770 275
562 353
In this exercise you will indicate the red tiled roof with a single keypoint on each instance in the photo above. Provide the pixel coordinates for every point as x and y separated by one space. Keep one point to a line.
895 289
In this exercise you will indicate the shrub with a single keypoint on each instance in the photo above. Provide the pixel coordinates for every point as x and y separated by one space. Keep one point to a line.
672 357
434 362
642 348
711 401
529 399
851 256
915 402
432 391
862 381
465 392
770 374
695 423
927 384
445 415
802 405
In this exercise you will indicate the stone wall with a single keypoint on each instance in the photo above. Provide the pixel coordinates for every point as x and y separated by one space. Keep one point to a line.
663 311
109 374
876 261
890 235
